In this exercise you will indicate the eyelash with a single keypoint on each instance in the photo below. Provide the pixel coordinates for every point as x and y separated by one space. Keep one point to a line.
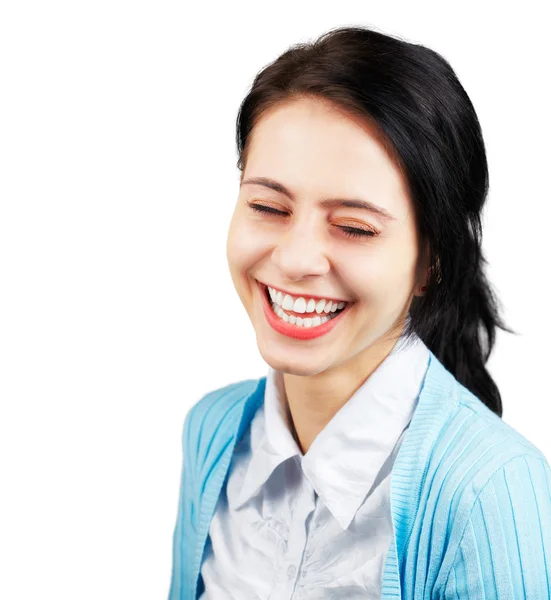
351 232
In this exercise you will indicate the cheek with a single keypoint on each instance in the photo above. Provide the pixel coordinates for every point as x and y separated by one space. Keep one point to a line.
393 261
393 279
245 246
367 270
237 242
379 276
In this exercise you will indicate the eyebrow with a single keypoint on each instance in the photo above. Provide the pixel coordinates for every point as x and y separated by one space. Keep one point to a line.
328 202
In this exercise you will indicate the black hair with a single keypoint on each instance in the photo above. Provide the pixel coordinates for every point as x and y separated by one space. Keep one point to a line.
429 126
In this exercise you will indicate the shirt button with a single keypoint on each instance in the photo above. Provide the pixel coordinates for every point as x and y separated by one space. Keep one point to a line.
291 571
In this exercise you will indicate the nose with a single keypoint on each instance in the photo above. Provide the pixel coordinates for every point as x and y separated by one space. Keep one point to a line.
300 252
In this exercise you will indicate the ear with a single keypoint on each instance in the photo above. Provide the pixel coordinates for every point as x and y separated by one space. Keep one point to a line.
423 270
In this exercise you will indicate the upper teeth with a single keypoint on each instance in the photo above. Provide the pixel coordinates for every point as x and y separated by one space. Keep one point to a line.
302 305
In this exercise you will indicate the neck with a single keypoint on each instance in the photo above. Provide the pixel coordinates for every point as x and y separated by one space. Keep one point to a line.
313 401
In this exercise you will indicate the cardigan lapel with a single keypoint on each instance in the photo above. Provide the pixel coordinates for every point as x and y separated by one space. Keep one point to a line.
437 399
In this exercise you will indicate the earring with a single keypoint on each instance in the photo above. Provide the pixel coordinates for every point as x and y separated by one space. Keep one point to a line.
423 288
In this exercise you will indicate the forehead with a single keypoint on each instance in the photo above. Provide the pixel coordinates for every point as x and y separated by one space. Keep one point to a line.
316 148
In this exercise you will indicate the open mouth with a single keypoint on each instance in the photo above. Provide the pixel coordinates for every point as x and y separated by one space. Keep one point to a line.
302 320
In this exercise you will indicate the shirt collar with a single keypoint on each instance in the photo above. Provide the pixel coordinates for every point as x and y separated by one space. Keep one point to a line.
369 424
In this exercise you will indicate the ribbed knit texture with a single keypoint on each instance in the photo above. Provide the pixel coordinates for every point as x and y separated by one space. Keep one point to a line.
470 496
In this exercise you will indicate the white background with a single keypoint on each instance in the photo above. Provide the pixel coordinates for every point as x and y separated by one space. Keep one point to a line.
118 179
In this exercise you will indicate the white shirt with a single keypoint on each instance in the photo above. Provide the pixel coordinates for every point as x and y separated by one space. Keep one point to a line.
317 525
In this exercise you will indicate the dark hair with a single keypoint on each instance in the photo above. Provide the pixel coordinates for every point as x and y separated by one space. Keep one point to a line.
427 123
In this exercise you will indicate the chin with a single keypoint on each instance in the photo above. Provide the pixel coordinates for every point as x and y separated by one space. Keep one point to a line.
299 367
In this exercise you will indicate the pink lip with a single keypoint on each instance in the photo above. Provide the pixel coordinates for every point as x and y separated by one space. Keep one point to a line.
299 333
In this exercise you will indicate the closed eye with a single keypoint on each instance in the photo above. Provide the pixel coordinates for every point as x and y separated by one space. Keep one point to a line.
351 232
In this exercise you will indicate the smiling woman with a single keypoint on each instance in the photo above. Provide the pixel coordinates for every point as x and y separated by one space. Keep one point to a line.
371 460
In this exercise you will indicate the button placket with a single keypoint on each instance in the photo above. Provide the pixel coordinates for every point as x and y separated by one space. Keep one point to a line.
288 586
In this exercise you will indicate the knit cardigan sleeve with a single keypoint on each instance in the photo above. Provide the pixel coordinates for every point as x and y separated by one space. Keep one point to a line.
505 548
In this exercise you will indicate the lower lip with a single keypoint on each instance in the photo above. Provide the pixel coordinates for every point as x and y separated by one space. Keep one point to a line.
299 333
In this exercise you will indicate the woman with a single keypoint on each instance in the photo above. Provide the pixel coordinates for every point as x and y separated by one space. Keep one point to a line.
371 461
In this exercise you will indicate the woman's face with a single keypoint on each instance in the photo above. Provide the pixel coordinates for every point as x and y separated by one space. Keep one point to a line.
317 152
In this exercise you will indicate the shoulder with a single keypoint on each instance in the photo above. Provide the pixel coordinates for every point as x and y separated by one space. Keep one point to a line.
479 458
476 435
500 508
215 405
473 445
485 484
212 413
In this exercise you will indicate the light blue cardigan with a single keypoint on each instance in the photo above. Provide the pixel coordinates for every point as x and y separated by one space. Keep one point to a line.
470 497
